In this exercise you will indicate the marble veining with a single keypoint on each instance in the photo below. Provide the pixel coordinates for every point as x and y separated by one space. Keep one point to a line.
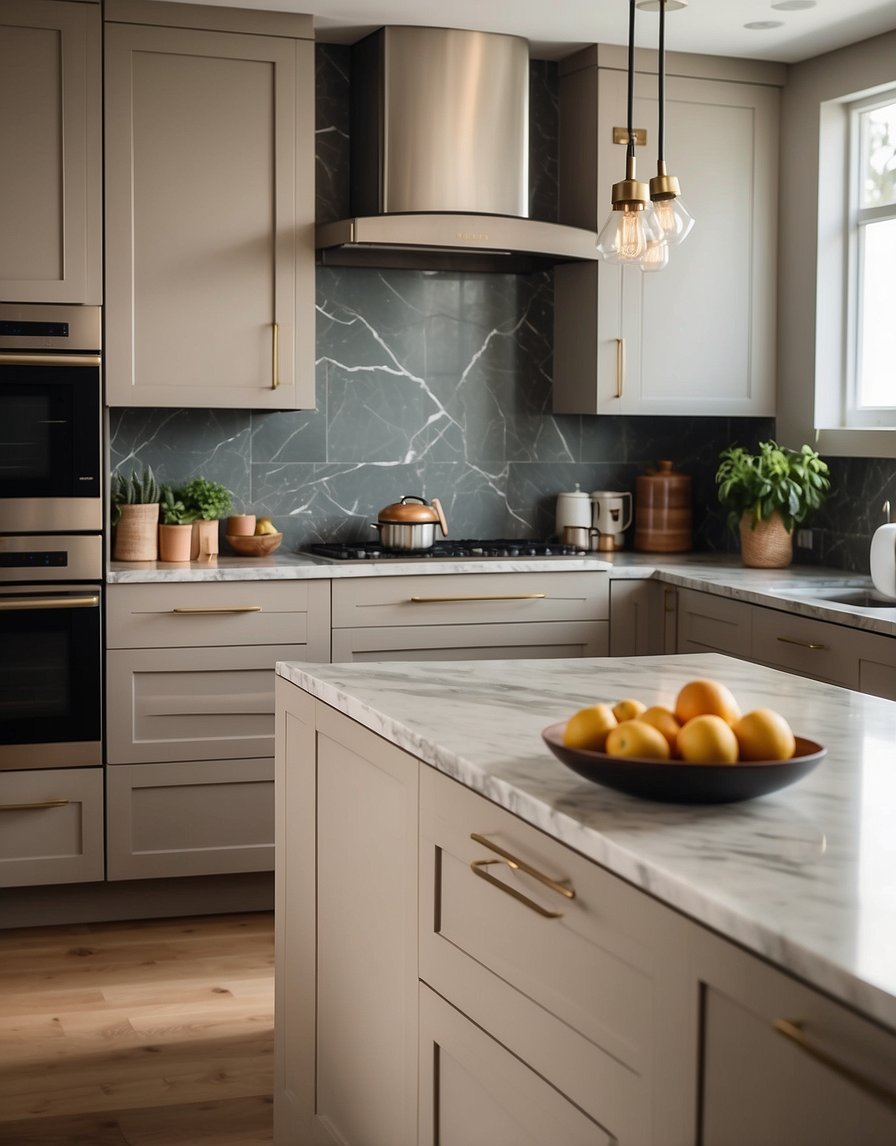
803 877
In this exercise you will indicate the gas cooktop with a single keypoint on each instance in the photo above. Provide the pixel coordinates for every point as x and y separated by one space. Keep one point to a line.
453 550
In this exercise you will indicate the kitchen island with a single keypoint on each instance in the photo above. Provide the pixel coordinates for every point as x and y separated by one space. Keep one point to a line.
643 1009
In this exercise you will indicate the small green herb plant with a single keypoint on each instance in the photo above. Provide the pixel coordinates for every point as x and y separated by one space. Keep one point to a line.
133 489
172 510
206 499
792 482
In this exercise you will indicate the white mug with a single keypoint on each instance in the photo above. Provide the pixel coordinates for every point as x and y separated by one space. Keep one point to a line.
612 510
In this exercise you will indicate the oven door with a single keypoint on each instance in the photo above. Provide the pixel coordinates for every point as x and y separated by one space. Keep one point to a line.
50 676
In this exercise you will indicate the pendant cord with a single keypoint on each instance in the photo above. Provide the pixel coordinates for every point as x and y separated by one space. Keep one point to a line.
630 150
661 85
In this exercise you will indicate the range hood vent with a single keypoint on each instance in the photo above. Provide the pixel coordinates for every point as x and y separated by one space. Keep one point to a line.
439 159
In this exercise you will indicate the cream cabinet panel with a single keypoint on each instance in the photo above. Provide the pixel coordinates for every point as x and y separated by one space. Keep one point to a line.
642 618
877 669
51 143
209 217
472 642
192 704
711 624
51 826
473 1092
806 646
205 817
697 338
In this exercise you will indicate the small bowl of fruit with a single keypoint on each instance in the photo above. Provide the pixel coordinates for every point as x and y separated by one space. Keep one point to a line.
262 542
699 749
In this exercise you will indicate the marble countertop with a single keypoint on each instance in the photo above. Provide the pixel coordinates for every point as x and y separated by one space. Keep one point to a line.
805 877
723 575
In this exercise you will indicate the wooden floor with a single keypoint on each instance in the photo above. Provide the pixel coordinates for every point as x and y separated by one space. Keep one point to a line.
156 1033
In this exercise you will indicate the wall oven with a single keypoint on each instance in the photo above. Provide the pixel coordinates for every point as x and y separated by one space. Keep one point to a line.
50 419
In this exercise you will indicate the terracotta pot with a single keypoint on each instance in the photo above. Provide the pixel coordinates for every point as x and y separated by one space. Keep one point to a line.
240 525
175 543
768 545
204 540
137 533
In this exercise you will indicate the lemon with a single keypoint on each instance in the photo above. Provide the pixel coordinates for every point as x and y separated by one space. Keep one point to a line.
635 738
588 727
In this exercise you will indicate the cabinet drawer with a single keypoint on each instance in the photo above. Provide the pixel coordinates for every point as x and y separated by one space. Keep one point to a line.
707 623
202 817
471 598
220 613
806 646
51 826
472 642
587 981
189 704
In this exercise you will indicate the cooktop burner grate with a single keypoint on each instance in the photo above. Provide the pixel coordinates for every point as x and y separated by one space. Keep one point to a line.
457 550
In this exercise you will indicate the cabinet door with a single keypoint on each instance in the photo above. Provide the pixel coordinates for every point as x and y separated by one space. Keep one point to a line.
711 624
640 612
806 646
473 1092
51 171
472 642
209 192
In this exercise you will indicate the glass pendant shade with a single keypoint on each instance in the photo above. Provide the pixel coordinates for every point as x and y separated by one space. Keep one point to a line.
624 236
656 257
673 218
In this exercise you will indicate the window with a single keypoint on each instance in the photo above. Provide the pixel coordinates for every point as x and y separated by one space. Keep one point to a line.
871 342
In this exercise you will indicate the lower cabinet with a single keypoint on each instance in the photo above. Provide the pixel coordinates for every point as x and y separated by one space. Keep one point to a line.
642 618
448 974
51 826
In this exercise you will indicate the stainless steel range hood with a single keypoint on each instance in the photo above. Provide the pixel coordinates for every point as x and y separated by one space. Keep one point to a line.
439 160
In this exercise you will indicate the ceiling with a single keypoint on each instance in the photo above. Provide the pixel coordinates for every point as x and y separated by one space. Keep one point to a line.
557 27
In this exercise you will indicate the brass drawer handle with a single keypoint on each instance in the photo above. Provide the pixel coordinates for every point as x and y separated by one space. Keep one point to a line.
793 1029
18 604
34 807
478 868
480 597
223 609
620 366
560 886
802 644
25 358
275 355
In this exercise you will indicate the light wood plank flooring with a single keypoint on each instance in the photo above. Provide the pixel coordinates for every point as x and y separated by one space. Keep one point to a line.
155 1033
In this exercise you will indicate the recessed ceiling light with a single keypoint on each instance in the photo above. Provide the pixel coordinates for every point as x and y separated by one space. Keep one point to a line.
764 25
794 5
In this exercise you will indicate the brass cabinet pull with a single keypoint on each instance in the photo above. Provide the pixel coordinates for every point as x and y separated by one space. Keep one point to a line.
620 366
19 604
480 597
478 868
222 609
801 644
275 353
560 886
26 359
793 1029
33 807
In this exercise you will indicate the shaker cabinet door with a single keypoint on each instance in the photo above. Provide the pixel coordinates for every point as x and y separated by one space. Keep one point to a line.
210 258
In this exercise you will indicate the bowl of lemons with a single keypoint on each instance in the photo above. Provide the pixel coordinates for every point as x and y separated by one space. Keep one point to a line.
265 540
700 749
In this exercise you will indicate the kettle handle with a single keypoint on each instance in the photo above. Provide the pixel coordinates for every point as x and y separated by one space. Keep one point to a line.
443 524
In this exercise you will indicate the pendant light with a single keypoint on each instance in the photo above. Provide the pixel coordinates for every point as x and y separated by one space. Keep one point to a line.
627 234
672 217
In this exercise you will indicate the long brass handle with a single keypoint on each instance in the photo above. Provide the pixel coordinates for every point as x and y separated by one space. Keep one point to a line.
478 868
19 604
481 597
801 644
221 609
560 886
275 351
34 807
793 1029
620 366
26 359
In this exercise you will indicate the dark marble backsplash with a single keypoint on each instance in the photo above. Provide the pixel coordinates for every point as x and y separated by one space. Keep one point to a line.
439 384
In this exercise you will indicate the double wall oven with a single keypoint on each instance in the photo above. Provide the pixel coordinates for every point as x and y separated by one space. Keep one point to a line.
51 551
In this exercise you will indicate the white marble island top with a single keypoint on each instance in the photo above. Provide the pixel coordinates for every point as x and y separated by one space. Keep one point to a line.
805 877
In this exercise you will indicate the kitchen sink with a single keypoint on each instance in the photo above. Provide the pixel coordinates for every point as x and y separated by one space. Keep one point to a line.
837 595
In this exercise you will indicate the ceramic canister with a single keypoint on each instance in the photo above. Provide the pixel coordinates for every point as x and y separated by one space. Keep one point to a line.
663 511
573 511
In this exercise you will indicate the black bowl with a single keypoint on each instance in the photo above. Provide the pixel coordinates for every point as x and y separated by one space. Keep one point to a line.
676 782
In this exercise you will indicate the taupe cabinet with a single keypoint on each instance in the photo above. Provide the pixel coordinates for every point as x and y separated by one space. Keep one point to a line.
466 1014
190 702
807 646
209 206
51 148
698 337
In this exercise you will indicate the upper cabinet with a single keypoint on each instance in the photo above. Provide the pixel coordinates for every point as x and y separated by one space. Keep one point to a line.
51 144
209 206
699 336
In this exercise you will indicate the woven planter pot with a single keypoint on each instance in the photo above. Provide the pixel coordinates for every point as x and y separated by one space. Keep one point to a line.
137 533
768 545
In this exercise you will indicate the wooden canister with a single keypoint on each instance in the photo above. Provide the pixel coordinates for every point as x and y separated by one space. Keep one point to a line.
663 511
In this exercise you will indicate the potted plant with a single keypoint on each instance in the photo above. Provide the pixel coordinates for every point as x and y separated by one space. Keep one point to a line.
135 515
175 527
208 501
767 495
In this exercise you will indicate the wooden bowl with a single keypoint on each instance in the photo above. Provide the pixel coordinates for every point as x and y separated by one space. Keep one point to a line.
259 546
